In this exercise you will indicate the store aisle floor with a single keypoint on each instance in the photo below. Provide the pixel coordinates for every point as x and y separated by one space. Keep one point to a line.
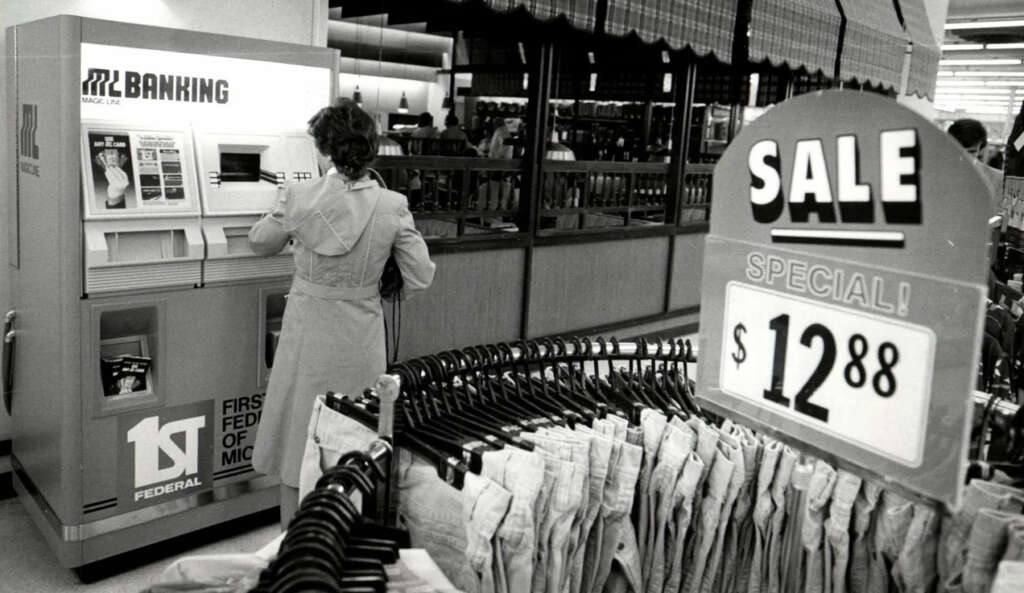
28 566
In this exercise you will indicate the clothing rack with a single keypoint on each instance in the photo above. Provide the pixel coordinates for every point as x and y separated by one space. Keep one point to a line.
1009 456
451 373
555 351
329 545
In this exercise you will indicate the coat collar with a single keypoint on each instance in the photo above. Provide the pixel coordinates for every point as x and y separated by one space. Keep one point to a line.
351 184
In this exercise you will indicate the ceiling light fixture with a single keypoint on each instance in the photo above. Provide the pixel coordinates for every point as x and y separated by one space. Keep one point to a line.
1004 46
963 46
981 73
982 62
984 25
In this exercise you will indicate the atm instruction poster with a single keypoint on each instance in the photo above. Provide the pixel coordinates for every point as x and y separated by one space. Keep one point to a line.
137 172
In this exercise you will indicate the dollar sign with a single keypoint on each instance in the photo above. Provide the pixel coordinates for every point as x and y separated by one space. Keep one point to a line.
741 353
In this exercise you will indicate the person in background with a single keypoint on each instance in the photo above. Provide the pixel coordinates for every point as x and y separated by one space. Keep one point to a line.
499 149
972 135
422 135
455 140
343 227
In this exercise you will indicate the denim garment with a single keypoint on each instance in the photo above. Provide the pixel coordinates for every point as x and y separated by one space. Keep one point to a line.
556 470
653 424
683 495
456 527
582 459
516 471
837 529
635 436
731 446
592 554
564 501
707 446
621 427
1015 542
600 455
791 569
626 574
706 449
1009 577
677 444
823 482
761 515
780 486
915 570
707 525
330 435
739 541
609 428
956 529
863 550
895 514
985 548
617 503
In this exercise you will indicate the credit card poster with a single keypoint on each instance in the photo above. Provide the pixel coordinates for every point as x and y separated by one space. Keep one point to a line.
113 173
136 170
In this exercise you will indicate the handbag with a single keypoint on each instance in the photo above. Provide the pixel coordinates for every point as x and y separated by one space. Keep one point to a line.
391 281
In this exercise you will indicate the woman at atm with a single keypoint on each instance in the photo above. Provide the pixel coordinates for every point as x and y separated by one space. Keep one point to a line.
344 226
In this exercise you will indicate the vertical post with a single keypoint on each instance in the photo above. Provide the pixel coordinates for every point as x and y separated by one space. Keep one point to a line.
684 83
451 68
538 91
645 134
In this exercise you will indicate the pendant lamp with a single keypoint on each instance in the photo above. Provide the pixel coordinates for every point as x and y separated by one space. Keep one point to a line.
403 104
357 96
447 103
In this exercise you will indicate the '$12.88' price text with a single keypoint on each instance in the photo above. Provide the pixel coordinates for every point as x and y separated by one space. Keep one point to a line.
856 371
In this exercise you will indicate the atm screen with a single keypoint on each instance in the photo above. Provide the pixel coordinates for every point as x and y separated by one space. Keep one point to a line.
239 166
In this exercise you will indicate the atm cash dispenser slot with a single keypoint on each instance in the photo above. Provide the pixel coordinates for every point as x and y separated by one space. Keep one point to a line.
241 173
228 257
136 254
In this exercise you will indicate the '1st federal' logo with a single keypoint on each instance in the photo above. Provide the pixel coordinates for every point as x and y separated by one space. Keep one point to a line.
167 453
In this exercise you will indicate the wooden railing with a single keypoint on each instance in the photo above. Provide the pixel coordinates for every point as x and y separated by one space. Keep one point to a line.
453 197
456 196
595 194
695 198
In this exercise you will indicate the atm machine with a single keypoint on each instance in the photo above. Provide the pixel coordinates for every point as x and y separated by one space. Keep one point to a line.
142 329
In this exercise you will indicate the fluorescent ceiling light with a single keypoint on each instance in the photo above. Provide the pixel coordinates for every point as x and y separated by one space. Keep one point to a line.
981 73
1004 46
956 83
971 102
963 46
973 108
984 25
970 99
982 62
987 83
974 91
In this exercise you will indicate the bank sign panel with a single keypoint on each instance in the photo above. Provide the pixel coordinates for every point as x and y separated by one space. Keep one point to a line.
165 454
843 287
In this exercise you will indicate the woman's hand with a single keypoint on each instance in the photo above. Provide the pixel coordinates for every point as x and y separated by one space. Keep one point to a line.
117 183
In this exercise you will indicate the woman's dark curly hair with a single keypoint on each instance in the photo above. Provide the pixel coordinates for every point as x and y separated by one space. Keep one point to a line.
347 134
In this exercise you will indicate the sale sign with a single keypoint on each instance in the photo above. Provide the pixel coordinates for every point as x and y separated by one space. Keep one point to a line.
844 280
